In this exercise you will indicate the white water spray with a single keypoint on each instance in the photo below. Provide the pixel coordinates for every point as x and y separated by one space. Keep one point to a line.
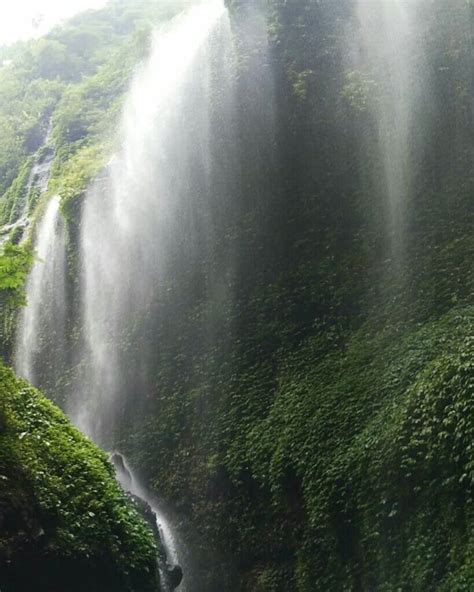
152 217
391 54
149 195
132 216
131 484
43 319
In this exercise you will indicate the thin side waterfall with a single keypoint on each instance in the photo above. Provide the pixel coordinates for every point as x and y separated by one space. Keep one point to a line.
37 184
39 176
390 52
42 326
131 484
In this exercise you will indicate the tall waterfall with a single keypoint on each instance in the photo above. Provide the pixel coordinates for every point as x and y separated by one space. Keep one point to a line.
391 53
144 217
157 213
42 326
149 205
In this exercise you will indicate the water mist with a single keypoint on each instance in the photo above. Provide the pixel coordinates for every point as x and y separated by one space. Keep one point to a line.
42 326
132 218
390 53
149 206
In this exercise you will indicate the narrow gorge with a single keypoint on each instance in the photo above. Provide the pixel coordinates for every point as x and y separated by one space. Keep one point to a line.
236 251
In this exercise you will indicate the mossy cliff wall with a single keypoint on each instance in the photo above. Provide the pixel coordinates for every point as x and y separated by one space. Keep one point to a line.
64 522
322 438
309 413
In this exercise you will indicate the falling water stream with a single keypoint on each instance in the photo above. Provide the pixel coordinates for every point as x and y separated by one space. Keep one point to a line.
45 292
391 55
131 484
130 219
130 216
37 184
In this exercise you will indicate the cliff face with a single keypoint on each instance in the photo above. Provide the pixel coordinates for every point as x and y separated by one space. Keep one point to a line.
64 522
300 389
321 425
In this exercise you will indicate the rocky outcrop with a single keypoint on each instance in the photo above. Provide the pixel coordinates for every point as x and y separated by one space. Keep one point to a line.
171 574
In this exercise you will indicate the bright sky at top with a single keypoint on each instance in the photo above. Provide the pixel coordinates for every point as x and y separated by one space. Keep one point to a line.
21 19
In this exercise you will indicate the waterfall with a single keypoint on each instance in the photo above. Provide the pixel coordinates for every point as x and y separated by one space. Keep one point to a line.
148 206
37 184
41 330
39 176
147 213
131 484
153 224
390 53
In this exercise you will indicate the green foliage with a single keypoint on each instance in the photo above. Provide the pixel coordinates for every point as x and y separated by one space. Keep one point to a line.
300 83
72 178
86 65
25 103
314 424
50 58
13 199
358 90
15 263
55 482
379 439
321 438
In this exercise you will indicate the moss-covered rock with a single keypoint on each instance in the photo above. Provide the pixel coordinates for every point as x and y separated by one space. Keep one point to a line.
65 524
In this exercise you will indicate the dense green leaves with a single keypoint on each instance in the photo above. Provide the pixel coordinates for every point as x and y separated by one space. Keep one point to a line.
15 263
313 423
60 504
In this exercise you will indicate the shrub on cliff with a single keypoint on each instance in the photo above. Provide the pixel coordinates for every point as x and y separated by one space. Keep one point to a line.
64 521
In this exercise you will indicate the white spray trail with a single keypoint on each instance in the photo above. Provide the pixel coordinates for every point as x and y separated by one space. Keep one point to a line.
44 316
390 47
132 216
129 217
130 483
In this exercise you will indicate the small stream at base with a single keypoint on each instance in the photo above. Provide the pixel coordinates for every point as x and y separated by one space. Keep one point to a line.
170 566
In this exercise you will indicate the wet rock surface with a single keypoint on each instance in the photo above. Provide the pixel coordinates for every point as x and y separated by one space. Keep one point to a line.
171 575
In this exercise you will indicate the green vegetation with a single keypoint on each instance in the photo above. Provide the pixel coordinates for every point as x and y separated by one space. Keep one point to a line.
76 75
15 263
313 425
61 512
65 521
379 439
322 438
